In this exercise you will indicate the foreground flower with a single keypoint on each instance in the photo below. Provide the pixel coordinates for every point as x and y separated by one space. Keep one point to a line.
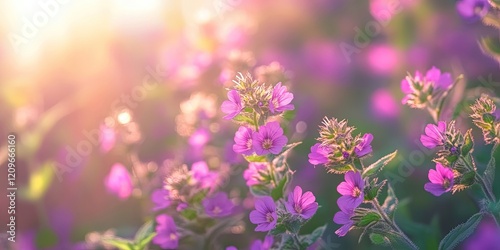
351 190
343 217
263 245
473 10
243 141
441 180
319 154
264 215
364 147
269 139
160 198
300 204
280 100
233 106
253 175
119 182
218 205
167 236
434 135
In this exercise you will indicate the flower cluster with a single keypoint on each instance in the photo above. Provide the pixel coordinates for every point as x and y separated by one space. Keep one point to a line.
352 191
423 91
485 118
338 149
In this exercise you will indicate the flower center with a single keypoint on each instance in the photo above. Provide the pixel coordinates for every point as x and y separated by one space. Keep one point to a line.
216 210
297 208
267 143
173 236
356 192
249 144
345 155
269 217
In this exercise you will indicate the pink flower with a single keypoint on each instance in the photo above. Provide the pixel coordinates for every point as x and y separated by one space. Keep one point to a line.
233 106
243 141
167 236
253 175
263 245
352 191
300 204
280 100
160 198
441 180
319 154
119 182
264 214
218 205
269 139
202 174
364 147
343 217
434 135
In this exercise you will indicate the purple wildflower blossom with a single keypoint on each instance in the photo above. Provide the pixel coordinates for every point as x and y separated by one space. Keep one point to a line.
119 182
433 78
252 175
218 205
319 154
264 215
202 174
352 190
160 198
243 141
473 10
231 248
439 80
181 207
167 236
263 245
269 139
280 100
441 180
485 237
434 135
364 147
343 217
300 204
233 106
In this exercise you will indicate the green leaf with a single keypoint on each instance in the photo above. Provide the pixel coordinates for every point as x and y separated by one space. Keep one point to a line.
259 190
378 165
467 179
144 235
278 191
489 172
367 219
189 213
379 239
287 243
490 46
243 119
494 208
255 158
293 225
391 201
468 143
120 243
460 233
45 237
308 240
279 229
372 190
279 160
143 243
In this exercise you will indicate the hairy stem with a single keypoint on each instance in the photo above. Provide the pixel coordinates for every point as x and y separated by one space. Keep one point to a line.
393 225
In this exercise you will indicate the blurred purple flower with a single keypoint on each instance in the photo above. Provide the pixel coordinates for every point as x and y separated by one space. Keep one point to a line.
119 182
441 180
319 154
383 59
266 245
419 89
199 138
202 174
264 215
160 198
364 147
300 204
440 80
269 139
181 206
107 138
473 10
233 106
383 104
231 248
218 205
167 236
343 217
252 175
243 141
352 190
280 100
434 135
486 237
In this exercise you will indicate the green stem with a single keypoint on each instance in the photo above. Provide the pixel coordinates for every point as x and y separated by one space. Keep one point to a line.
479 179
296 241
393 225
256 121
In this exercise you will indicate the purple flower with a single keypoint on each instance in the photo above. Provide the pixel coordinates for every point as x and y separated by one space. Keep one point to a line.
280 100
319 154
218 205
351 190
434 135
419 89
231 248
160 198
438 79
181 206
266 245
205 177
233 106
343 217
199 138
269 139
252 175
364 147
485 237
264 215
119 182
441 180
167 236
243 141
301 204
473 10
